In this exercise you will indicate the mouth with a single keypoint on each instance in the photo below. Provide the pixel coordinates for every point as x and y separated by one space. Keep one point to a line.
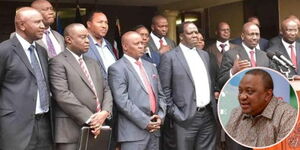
245 106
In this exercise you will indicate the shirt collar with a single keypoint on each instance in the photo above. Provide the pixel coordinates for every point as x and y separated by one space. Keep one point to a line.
25 44
131 59
268 111
219 42
247 48
75 55
103 44
286 45
183 47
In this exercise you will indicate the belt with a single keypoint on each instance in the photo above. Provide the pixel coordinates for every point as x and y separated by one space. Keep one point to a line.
41 116
200 109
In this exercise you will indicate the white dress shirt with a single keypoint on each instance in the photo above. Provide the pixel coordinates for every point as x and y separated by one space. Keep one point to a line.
156 40
53 40
248 51
105 54
199 74
226 48
26 45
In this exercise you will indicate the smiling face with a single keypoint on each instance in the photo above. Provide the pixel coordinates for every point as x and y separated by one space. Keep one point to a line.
253 95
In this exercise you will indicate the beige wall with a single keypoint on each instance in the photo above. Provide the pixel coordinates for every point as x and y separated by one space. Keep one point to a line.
231 13
288 7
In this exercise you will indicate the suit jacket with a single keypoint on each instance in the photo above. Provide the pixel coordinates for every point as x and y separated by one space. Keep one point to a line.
263 43
229 57
154 59
74 96
178 85
280 47
60 39
277 40
132 100
18 91
215 51
93 53
152 45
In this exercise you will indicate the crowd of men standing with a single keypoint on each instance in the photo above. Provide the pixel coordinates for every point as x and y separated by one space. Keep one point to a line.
157 96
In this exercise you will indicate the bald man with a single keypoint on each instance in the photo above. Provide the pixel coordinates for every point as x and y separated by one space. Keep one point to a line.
24 91
79 89
245 56
158 37
137 93
288 44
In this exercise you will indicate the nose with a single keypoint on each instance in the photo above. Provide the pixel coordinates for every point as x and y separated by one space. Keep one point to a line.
242 96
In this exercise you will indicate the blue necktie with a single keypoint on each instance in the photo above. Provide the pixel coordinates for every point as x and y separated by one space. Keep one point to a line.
42 87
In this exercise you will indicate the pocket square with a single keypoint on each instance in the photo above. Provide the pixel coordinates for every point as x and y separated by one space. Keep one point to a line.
155 76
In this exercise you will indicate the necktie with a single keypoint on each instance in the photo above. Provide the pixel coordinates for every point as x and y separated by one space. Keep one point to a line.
223 47
41 83
50 45
293 55
148 86
252 60
87 74
161 43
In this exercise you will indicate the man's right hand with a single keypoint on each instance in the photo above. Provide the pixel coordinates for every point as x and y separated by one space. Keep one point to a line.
164 48
239 65
154 123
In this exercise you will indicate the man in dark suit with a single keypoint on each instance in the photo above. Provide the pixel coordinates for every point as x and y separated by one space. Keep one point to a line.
100 49
25 119
158 37
263 43
288 45
186 82
138 95
245 56
150 55
79 89
222 44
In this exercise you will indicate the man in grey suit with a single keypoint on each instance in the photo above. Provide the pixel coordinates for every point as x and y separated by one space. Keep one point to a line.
25 119
158 37
245 56
79 89
288 45
186 82
138 95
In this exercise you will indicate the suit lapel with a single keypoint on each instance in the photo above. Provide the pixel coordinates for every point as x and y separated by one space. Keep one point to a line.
74 63
96 53
17 47
135 74
151 44
243 54
182 60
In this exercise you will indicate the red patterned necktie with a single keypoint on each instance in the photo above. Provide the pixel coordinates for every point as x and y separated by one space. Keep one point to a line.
148 87
293 56
87 74
161 43
252 60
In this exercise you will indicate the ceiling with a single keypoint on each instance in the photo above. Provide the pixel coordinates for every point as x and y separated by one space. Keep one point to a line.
112 2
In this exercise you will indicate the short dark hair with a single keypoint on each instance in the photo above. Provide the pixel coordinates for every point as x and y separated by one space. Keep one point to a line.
91 14
265 76
156 17
138 27
180 28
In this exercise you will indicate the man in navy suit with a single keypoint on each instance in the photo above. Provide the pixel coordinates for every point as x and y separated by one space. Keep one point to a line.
100 48
150 54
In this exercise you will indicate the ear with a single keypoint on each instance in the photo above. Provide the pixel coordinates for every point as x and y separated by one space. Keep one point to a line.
68 39
242 36
269 95
21 25
88 24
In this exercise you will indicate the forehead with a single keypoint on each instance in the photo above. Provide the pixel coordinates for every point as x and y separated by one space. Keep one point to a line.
250 80
99 16
161 20
44 4
251 29
190 27
142 30
223 25
79 31
291 24
31 15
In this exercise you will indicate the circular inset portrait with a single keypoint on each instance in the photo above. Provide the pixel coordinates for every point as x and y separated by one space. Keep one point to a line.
258 107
